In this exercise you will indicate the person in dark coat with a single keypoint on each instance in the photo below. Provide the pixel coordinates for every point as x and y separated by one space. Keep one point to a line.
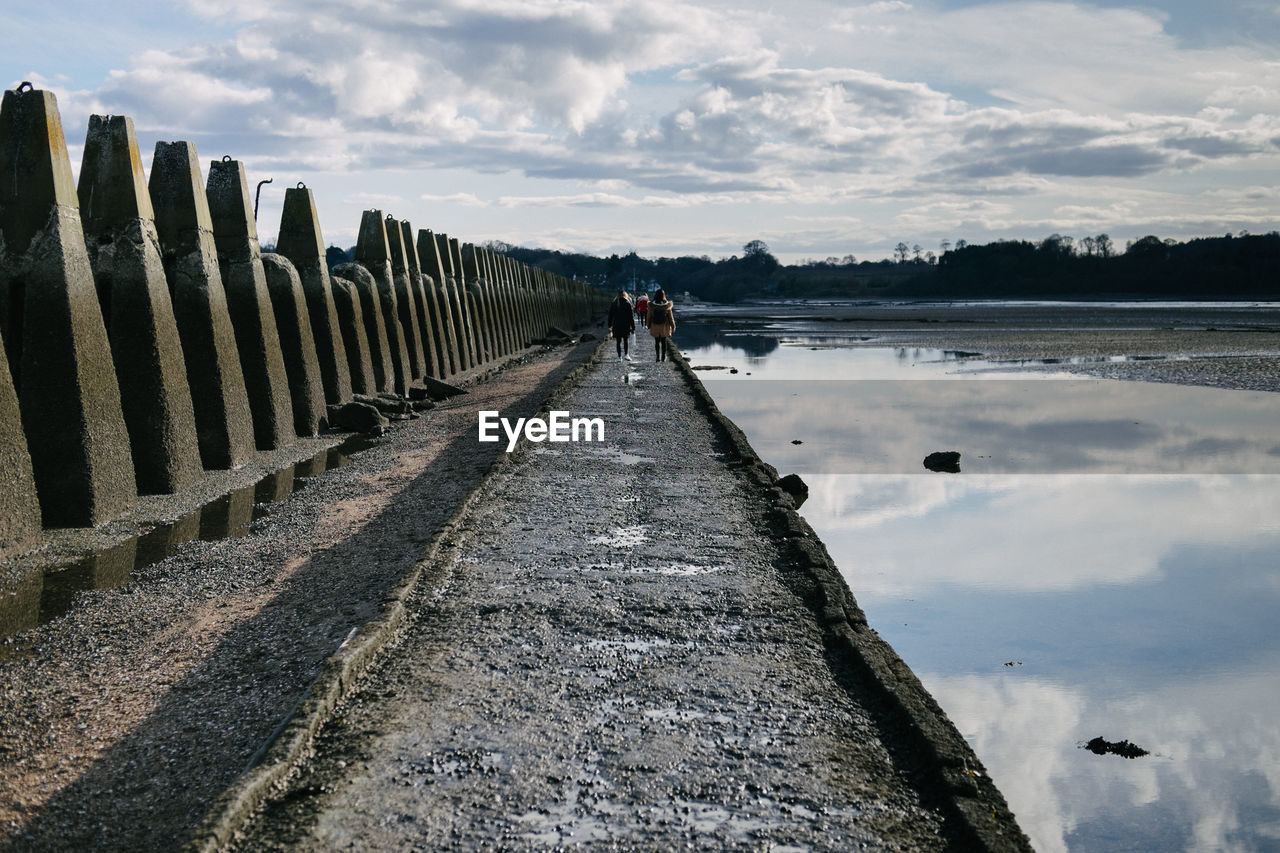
622 323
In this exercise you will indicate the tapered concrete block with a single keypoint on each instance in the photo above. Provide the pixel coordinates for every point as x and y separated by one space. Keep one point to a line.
124 251
375 325
509 304
355 339
52 326
475 298
374 254
297 345
468 324
505 304
493 329
536 307
434 268
449 285
525 303
449 296
19 503
301 242
258 340
434 301
224 428
495 311
430 350
406 299
500 331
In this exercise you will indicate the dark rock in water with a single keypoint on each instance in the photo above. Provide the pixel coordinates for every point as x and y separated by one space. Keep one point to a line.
587 336
733 370
437 390
357 417
943 461
1125 749
794 486
796 441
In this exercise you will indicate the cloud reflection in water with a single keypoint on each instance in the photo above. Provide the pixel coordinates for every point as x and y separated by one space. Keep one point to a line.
1140 607
1005 426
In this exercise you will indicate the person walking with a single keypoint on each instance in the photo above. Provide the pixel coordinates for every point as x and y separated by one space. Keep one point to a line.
622 324
662 323
642 308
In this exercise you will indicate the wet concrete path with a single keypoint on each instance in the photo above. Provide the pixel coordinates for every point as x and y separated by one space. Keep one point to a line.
611 660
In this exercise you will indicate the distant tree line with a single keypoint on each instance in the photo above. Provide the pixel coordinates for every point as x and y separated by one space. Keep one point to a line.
1245 266
756 273
1241 266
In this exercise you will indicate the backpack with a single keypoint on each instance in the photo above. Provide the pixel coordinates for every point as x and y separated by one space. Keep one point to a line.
659 315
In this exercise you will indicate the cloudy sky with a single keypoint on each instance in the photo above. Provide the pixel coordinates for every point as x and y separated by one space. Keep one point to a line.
673 128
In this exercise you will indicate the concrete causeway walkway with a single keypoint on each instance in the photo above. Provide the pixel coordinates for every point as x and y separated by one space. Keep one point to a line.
612 658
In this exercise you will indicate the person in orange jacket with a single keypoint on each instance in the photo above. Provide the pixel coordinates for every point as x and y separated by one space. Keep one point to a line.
662 323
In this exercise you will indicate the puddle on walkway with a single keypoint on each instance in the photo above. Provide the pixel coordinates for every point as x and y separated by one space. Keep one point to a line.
41 597
623 537
629 648
605 454
676 570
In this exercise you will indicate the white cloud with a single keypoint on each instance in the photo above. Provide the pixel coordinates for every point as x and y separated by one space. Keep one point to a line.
463 199
887 112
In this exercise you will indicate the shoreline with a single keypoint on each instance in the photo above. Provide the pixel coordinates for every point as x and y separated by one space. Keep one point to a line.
1238 348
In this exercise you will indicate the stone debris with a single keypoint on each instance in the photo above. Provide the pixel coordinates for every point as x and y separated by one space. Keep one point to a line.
797 488
357 416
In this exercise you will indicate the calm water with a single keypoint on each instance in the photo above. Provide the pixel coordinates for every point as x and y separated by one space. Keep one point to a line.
1107 564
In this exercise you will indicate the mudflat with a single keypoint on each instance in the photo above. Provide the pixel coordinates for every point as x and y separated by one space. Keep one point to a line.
1224 344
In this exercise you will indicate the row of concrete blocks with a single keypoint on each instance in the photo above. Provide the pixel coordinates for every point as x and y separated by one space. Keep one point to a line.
146 336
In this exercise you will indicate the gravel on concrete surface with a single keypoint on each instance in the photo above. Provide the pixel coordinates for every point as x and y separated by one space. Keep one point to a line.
124 718
617 657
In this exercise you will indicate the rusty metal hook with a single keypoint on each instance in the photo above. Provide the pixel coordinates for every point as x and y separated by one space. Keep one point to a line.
301 185
25 86
258 195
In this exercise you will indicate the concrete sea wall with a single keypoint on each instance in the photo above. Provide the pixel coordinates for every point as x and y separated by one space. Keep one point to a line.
146 336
